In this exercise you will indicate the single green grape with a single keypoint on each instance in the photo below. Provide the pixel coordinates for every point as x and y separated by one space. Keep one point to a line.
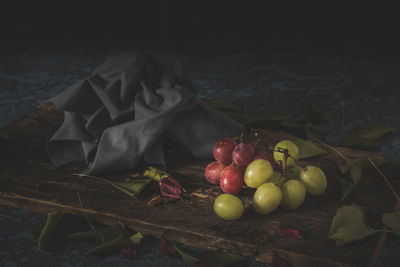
293 194
275 177
228 207
314 179
267 198
257 173
293 172
292 150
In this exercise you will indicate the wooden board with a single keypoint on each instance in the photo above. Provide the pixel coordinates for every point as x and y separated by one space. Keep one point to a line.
29 181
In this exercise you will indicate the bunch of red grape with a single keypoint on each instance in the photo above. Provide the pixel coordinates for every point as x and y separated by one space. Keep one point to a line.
231 162
241 164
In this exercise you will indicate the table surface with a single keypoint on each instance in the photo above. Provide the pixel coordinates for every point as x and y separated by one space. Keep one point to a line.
347 86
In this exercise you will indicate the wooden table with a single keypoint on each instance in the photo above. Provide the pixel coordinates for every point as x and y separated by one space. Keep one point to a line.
29 181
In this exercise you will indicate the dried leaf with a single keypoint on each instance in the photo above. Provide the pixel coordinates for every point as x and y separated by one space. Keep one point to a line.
169 187
392 220
155 174
349 225
167 249
289 233
47 233
308 149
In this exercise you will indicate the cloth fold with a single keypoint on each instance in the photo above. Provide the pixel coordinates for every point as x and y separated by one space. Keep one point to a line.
126 110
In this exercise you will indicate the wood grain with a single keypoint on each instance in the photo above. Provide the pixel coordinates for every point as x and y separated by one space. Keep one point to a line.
29 181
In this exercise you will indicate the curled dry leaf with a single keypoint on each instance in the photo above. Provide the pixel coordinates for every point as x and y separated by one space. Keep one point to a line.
289 233
167 249
169 187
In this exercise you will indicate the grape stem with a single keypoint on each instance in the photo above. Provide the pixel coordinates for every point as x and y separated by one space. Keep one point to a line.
283 162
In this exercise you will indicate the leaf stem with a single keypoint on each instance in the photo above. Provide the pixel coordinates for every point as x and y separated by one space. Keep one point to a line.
385 179
331 148
87 219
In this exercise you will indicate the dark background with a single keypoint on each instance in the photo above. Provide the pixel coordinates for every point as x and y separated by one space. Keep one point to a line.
178 24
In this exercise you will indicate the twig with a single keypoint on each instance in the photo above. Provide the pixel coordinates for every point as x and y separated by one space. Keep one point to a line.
331 148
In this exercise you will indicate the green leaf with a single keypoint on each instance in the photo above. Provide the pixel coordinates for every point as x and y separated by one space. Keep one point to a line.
349 225
266 120
186 257
308 149
107 233
130 187
155 174
392 220
136 238
367 137
108 247
47 233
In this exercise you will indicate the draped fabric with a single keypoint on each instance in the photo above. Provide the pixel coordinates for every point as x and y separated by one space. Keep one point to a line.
127 109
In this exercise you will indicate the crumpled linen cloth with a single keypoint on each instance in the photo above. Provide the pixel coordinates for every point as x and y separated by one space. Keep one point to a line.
127 109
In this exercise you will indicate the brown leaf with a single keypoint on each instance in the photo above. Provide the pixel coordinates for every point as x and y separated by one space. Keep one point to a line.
169 187
167 249
289 233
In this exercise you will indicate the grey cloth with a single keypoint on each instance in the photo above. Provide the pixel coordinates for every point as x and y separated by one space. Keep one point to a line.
126 110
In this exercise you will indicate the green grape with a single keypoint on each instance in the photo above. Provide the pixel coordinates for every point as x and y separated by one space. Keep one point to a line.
275 177
292 149
293 194
267 198
228 207
314 179
257 173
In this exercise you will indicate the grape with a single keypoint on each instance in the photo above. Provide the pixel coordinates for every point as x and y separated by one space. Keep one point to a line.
213 172
228 207
243 154
265 155
267 198
231 180
293 194
257 173
292 149
223 150
293 172
275 177
314 179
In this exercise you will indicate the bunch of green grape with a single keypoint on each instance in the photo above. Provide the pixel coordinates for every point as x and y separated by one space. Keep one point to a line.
286 188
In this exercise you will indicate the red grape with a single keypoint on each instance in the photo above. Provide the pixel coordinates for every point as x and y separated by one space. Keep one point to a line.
213 172
223 150
243 154
265 155
231 180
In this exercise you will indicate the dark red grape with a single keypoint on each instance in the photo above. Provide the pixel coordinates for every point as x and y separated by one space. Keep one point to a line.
231 180
213 172
265 155
223 150
243 154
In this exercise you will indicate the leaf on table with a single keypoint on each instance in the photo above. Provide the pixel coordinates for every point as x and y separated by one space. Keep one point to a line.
48 231
131 187
349 225
108 247
278 261
185 256
168 249
296 123
107 233
308 149
155 174
169 187
289 233
353 168
313 115
136 238
392 220
367 137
